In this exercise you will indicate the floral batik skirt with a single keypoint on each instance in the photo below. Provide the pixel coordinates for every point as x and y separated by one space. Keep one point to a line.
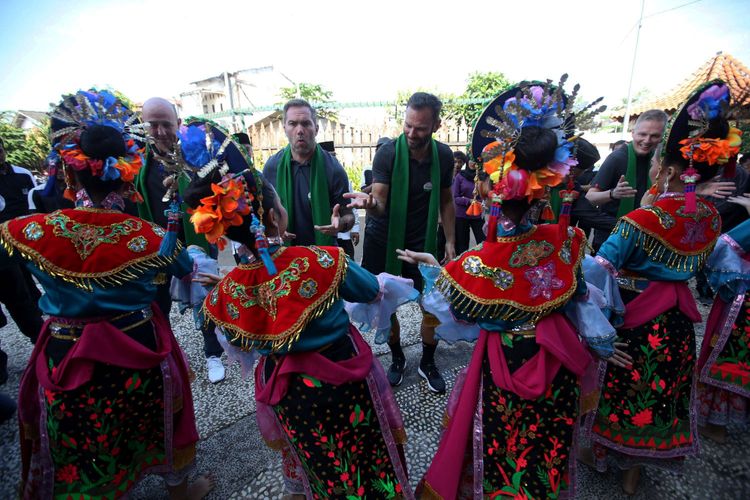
647 411
724 390
105 434
521 448
99 439
341 437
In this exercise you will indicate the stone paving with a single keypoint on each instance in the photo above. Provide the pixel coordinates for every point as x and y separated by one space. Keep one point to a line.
231 447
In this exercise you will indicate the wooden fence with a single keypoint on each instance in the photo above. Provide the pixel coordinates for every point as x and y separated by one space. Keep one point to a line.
355 146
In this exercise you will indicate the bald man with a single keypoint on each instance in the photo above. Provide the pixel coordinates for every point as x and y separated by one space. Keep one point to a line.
162 120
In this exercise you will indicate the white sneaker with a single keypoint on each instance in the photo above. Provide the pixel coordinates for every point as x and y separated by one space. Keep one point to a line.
216 370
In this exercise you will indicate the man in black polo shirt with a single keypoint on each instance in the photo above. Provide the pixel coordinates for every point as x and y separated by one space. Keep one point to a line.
16 292
163 122
412 179
623 179
311 183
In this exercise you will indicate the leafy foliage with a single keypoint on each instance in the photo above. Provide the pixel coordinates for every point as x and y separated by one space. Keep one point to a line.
25 149
745 146
354 173
479 85
396 113
313 93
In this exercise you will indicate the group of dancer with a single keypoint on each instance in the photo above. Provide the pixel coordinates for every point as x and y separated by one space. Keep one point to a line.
576 356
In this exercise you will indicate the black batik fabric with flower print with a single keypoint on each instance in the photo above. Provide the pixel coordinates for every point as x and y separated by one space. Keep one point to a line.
732 365
645 410
336 435
723 396
527 443
104 434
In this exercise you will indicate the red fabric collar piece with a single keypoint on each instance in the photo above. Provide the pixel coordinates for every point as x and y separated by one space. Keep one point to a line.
531 273
83 245
683 234
266 311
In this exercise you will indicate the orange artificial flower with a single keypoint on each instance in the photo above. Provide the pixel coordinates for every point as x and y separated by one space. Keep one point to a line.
219 211
711 151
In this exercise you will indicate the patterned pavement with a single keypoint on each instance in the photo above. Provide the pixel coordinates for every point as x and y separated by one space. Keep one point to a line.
231 447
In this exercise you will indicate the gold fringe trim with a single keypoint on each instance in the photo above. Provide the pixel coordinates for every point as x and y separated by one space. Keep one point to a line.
399 435
276 444
284 340
182 457
446 420
660 251
511 239
474 306
30 432
259 263
428 493
124 273
589 402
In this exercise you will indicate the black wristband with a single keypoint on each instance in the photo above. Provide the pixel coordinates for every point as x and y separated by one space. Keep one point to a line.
611 195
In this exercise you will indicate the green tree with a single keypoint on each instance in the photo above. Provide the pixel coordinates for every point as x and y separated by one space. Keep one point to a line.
25 149
745 146
639 96
479 86
402 96
315 94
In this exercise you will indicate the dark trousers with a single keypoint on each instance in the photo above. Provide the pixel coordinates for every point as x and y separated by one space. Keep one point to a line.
211 346
440 250
348 247
463 226
20 300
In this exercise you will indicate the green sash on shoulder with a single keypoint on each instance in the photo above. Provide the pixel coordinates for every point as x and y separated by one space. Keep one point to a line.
399 200
628 204
320 200
146 212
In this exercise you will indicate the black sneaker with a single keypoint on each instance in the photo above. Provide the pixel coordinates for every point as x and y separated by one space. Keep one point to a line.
429 372
396 371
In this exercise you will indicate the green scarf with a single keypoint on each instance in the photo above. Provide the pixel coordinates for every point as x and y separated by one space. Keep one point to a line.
555 202
399 200
320 200
628 204
146 212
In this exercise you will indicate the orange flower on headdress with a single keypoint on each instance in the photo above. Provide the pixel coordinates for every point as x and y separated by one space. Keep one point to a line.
220 211
712 151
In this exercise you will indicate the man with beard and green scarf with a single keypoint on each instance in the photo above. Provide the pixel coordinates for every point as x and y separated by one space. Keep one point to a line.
623 179
310 182
412 179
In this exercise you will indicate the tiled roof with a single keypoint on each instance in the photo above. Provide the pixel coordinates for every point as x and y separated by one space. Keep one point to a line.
722 66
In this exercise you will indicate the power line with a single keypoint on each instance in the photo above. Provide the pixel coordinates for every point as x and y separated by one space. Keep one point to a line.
671 9
654 14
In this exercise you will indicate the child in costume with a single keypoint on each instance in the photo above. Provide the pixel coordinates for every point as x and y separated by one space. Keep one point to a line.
106 396
513 414
646 412
322 397
724 365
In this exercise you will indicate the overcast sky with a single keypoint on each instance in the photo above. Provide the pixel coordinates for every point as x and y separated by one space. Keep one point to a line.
362 51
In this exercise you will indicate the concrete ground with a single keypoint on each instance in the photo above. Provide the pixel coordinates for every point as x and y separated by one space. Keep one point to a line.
232 449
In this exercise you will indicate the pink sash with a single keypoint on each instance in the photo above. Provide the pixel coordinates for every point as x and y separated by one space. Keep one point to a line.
558 346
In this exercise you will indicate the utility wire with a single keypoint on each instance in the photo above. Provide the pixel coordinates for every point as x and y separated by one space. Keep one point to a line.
654 14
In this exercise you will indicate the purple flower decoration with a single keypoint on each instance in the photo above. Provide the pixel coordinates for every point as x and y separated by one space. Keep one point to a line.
543 280
541 112
564 159
695 232
708 105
